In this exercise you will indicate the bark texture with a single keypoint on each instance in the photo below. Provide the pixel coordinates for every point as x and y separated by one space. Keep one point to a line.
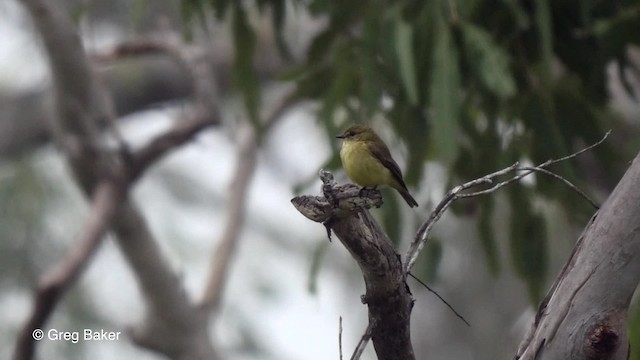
343 210
584 315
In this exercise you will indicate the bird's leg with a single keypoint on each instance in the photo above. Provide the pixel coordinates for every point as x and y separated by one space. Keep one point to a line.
364 189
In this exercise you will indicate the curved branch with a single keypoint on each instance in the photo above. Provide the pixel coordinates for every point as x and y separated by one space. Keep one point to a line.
456 193
55 282
173 325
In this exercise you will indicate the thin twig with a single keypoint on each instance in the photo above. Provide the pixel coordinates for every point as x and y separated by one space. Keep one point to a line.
456 193
421 236
141 46
441 298
362 344
567 182
179 134
340 337
551 162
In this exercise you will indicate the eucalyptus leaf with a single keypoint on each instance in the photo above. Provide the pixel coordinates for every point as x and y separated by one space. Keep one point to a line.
405 55
445 95
245 78
489 61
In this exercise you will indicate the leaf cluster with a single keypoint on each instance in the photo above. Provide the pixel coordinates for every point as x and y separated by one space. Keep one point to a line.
474 84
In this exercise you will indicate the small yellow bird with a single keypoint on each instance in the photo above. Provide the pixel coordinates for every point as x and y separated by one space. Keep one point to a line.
368 162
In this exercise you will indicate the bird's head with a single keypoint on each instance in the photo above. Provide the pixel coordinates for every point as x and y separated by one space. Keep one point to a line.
358 133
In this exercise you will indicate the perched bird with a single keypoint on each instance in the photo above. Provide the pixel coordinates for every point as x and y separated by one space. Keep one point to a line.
368 162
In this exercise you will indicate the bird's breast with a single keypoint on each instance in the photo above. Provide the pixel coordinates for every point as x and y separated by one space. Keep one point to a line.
361 166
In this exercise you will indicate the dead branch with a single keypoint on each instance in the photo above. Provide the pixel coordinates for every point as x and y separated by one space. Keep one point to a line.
458 193
340 338
440 298
362 344
339 210
344 210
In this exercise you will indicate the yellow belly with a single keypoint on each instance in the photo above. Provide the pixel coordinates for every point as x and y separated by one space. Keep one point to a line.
362 167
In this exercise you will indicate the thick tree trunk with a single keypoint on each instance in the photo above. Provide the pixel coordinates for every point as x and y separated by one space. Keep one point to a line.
584 315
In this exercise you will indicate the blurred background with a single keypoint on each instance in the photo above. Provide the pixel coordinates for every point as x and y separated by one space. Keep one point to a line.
457 89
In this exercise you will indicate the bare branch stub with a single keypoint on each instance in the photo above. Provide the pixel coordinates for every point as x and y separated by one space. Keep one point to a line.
387 295
362 344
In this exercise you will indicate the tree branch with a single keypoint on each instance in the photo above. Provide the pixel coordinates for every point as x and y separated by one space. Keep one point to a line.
584 315
458 193
173 325
362 344
223 254
347 216
55 282
343 209
248 145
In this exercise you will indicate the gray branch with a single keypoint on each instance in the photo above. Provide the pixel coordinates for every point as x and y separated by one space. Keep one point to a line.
584 315
174 325
344 210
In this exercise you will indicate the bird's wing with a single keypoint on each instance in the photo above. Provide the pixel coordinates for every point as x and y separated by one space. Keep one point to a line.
385 158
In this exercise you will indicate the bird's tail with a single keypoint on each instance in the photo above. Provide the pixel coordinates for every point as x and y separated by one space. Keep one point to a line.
407 197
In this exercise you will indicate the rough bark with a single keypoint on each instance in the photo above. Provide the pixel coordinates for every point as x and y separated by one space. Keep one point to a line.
344 211
584 315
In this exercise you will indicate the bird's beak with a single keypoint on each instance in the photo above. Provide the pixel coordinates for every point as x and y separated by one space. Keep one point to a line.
340 136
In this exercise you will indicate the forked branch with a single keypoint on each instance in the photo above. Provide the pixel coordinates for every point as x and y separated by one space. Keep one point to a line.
518 172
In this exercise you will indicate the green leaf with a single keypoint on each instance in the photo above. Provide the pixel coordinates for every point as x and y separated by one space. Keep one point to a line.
528 242
342 84
321 45
539 115
489 61
312 83
405 55
445 95
278 12
634 329
244 75
373 48
371 87
545 32
220 7
193 9
518 13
